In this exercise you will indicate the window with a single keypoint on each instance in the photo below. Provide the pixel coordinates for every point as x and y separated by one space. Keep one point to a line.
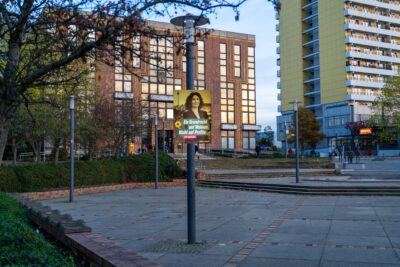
161 79
136 51
228 139
227 90
123 79
248 92
249 140
199 84
236 61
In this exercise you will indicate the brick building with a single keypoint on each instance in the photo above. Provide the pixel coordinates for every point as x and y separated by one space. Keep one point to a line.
224 64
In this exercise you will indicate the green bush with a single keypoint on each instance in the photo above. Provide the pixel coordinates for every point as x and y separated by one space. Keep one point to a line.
43 176
20 245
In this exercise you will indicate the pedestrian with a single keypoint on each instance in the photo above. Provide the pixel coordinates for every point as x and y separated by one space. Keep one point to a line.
340 154
350 156
258 149
357 154
290 152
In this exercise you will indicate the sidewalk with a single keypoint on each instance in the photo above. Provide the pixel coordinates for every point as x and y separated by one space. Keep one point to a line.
237 228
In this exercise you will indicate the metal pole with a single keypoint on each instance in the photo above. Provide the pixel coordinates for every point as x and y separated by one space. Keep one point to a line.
286 141
189 35
71 147
296 112
164 132
156 149
189 22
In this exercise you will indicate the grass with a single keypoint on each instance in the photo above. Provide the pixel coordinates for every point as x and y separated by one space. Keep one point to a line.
20 245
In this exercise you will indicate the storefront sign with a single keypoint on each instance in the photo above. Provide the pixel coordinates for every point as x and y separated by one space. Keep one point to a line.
365 131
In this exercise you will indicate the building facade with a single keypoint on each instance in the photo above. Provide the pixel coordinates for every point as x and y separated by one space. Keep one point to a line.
224 64
335 57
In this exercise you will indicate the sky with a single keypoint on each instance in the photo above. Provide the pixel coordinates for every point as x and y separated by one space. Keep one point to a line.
256 17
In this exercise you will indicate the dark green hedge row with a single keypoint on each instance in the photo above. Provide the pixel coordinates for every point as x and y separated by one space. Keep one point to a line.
20 245
38 177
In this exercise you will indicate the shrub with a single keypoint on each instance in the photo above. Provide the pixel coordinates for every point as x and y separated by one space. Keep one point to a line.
43 176
20 245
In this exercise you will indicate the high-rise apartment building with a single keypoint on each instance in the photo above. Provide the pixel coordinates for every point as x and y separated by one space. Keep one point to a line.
335 56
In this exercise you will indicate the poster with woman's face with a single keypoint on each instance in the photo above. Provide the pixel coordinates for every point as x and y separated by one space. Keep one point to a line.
192 115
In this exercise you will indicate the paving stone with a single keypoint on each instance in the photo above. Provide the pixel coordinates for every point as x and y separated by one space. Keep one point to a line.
373 256
258 262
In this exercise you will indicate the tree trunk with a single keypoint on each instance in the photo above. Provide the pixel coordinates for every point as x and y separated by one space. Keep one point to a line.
3 134
14 150
57 153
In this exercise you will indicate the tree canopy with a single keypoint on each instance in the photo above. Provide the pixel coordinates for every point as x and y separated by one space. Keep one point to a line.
386 112
41 40
309 129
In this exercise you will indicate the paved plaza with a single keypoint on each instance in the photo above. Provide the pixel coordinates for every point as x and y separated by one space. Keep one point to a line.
237 228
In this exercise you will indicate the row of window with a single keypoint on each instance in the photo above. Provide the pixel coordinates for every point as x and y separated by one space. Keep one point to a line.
228 140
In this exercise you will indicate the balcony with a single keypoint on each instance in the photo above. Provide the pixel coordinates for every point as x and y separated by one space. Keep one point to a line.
310 30
364 28
310 4
312 80
277 27
375 3
278 85
278 39
367 42
279 98
313 106
312 93
278 50
310 42
311 55
372 16
278 73
372 71
279 109
365 83
310 17
359 97
353 54
311 68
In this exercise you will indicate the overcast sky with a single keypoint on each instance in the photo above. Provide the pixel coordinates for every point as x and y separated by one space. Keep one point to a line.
256 17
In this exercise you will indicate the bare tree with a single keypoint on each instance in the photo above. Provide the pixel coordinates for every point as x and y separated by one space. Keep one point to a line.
41 39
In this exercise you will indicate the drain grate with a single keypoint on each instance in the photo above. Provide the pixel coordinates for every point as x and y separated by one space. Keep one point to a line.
178 247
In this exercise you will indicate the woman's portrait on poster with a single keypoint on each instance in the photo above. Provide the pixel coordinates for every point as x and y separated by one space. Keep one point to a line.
194 104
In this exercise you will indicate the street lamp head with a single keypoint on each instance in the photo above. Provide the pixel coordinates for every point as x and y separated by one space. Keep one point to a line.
71 102
196 20
295 104
189 22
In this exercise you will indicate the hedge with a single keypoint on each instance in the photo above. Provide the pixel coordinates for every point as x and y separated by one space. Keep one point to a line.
43 176
20 244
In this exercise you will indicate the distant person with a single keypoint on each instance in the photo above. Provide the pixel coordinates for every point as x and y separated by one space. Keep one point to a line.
357 154
340 154
258 150
290 152
194 104
350 156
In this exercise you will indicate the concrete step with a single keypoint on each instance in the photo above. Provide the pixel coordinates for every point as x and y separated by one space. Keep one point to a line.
304 189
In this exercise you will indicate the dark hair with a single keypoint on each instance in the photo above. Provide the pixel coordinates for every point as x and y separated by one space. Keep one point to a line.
188 103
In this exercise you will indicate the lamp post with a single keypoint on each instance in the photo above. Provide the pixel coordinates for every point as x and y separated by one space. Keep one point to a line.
296 118
163 127
71 148
156 149
189 22
286 141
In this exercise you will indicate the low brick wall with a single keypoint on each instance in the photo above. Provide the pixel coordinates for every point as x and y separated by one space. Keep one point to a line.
98 189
